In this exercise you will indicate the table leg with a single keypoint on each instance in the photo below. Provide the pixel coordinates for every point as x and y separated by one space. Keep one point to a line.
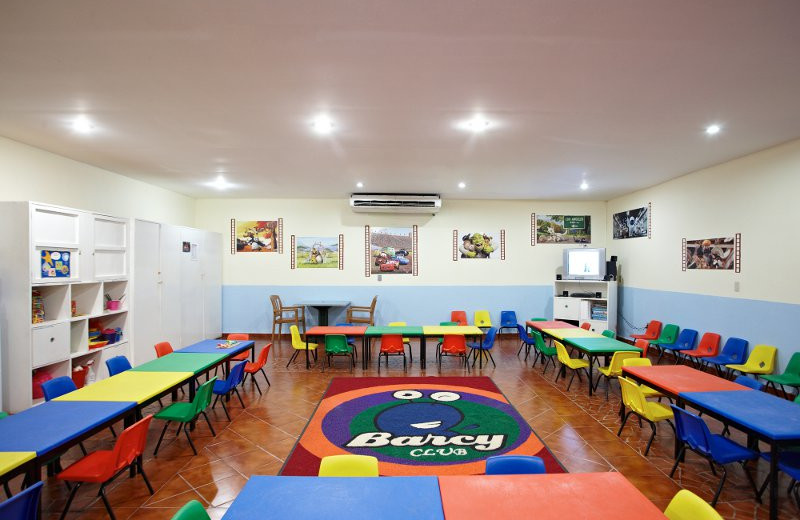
364 351
591 363
422 354
308 361
323 315
773 481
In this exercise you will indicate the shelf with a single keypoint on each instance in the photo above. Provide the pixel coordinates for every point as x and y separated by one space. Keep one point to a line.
47 322
93 316
96 350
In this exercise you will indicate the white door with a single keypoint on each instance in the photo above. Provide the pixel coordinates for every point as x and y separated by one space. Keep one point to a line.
191 286
170 254
146 290
211 264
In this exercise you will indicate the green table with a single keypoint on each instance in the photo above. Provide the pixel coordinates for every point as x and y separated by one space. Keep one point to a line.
601 346
405 331
197 363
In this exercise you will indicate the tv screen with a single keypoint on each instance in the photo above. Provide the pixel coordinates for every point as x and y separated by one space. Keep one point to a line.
584 264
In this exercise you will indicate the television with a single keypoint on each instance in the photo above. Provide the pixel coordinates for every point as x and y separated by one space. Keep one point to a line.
584 264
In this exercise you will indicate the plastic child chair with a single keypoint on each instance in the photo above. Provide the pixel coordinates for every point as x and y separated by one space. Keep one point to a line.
459 317
117 365
336 345
454 345
708 347
609 334
58 387
642 362
298 345
668 336
24 505
193 510
651 333
642 344
483 319
749 382
685 341
226 387
527 342
253 368
391 345
508 320
567 362
586 325
406 341
761 361
634 400
348 466
514 465
614 368
350 340
790 376
734 351
484 348
163 348
242 356
188 413
548 354
685 505
439 340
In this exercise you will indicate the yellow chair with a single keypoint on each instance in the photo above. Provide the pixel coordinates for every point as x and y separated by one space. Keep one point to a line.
568 362
760 361
348 466
298 344
685 505
406 341
483 319
614 368
633 398
642 362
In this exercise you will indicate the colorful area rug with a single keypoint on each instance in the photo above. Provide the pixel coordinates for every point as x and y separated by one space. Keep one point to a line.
416 426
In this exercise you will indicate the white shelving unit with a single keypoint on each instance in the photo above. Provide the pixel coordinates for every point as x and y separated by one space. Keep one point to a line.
98 248
599 310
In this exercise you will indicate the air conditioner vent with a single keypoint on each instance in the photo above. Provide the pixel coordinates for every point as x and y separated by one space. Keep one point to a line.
395 202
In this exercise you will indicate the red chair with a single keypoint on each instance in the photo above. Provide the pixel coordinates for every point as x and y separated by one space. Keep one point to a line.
258 366
391 345
642 344
460 317
586 325
103 466
163 348
708 347
651 333
454 345
240 337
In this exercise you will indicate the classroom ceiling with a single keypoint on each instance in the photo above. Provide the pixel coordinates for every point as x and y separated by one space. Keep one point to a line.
616 92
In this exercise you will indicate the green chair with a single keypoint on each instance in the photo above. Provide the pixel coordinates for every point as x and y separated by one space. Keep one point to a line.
669 335
548 354
193 510
3 415
336 345
790 376
609 334
187 413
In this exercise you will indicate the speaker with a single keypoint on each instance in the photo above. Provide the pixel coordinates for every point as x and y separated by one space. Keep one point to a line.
558 277
611 269
565 293
598 295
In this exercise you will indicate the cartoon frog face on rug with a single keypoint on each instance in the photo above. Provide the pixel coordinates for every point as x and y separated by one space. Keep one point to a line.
418 418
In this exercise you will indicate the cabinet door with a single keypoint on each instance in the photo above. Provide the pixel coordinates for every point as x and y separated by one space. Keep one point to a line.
109 247
169 254
147 326
191 286
566 308
56 236
211 264
49 344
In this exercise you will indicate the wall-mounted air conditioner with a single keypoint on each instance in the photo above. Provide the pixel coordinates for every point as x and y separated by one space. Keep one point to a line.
395 202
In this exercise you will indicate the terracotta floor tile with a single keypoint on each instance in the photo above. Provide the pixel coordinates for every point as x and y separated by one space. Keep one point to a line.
222 491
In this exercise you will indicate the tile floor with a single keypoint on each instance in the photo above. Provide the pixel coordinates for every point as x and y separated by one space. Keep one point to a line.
580 430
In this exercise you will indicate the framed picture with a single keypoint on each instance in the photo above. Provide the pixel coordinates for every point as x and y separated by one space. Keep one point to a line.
391 250
563 229
634 223
316 252
256 236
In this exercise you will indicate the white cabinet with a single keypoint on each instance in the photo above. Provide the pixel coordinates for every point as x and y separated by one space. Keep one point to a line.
49 344
586 301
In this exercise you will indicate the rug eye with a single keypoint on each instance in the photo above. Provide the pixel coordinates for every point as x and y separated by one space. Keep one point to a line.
445 396
407 394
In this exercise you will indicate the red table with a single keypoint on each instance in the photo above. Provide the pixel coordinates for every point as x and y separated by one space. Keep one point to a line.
322 331
673 379
541 325
556 496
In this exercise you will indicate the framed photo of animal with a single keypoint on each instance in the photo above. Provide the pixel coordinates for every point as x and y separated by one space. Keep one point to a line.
563 229
316 252
256 236
471 244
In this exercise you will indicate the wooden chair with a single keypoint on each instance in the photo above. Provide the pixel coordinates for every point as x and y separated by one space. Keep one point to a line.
370 320
296 316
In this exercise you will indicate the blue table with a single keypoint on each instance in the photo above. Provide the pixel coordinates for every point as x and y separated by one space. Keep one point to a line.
338 498
209 346
763 416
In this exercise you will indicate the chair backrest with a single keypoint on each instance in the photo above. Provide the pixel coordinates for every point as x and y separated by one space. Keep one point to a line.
392 343
459 317
735 349
130 443
561 352
398 324
668 334
685 505
483 319
236 336
202 398
618 358
709 344
237 374
686 339
749 382
336 344
261 360
24 505
523 334
538 342
637 362
454 344
793 366
58 387
297 341
538 319
348 466
514 465
763 357
117 365
609 333
642 344
276 304
192 510
448 323
692 430
653 329
632 395
163 348
508 318
586 325
373 304
488 339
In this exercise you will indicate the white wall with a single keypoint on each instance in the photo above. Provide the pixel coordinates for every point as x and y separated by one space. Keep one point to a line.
28 173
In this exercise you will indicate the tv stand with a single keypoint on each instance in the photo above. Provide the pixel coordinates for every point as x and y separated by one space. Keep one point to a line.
582 304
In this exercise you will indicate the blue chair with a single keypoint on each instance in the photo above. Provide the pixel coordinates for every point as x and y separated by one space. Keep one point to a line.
528 342
484 348
228 386
58 387
514 465
749 382
24 505
734 351
117 365
350 339
686 341
789 463
508 320
693 433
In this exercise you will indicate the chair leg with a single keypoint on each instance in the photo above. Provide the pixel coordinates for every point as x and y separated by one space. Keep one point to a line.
624 420
253 379
571 379
113 432
209 424
652 436
491 358
752 482
224 408
7 489
102 494
292 358
189 437
144 476
681 453
236 391
161 438
265 376
719 488
69 500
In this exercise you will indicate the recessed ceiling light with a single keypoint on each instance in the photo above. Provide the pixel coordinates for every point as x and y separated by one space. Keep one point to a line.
82 125
323 124
476 124
713 129
219 183
359 185
462 185
584 185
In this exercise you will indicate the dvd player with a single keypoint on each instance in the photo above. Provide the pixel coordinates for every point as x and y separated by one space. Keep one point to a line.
582 295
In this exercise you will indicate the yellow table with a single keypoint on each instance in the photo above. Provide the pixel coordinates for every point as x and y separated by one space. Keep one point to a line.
128 386
571 333
469 330
10 460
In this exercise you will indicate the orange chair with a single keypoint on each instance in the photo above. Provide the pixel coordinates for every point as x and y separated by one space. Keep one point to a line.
258 366
642 344
454 345
103 466
586 325
163 348
708 347
240 337
651 333
459 317
391 345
